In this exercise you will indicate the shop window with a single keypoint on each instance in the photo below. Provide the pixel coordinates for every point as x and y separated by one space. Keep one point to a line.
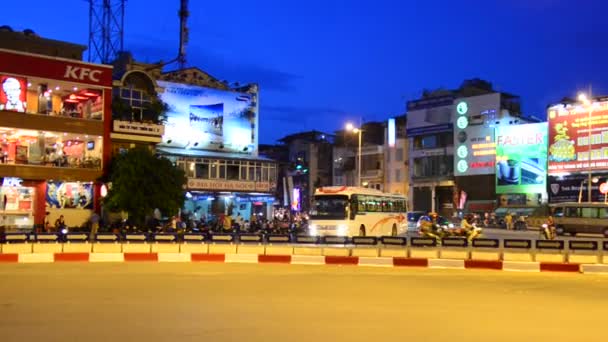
251 172
243 172
222 170
258 172
232 172
272 173
265 174
50 97
213 170
52 149
190 170
137 99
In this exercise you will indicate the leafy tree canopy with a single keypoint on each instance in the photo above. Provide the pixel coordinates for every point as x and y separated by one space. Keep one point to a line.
141 182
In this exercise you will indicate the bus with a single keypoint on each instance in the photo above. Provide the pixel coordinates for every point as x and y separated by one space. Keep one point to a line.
355 211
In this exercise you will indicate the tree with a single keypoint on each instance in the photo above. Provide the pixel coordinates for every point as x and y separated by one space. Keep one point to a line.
141 182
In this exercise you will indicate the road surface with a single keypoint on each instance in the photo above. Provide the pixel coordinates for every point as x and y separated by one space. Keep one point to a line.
238 302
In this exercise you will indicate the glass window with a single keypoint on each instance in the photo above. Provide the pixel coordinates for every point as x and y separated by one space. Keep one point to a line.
572 212
251 172
232 172
398 175
51 149
399 154
222 170
589 212
265 174
258 172
604 213
388 155
243 171
190 170
272 174
202 170
213 170
329 207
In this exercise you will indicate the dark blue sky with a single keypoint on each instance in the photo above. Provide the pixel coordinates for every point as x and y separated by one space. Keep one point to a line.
322 63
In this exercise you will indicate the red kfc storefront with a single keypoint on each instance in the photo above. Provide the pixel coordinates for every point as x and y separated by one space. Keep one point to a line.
54 138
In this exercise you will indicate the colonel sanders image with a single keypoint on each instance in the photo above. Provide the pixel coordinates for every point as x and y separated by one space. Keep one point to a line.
11 89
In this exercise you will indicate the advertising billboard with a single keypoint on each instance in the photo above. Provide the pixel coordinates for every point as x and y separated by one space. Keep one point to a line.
202 118
569 136
474 151
69 195
13 92
521 158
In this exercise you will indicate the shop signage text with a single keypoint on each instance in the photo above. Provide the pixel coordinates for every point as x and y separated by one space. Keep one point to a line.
80 73
11 181
225 185
138 128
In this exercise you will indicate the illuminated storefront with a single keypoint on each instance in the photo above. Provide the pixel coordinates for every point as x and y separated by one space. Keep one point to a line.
54 137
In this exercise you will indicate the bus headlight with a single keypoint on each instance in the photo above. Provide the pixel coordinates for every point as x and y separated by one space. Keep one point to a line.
342 230
312 230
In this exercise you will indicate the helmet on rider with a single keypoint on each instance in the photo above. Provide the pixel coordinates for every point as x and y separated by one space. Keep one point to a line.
433 216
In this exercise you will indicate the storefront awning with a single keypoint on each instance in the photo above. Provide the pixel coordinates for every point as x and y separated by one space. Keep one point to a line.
209 154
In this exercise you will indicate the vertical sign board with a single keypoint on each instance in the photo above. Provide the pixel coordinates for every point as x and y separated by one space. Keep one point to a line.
391 132
521 158
473 141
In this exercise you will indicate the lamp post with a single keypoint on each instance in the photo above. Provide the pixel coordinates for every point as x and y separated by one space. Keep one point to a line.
351 128
587 103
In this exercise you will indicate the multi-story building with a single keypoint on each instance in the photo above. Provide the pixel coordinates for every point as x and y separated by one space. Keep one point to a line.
310 166
452 146
396 169
54 132
211 132
345 153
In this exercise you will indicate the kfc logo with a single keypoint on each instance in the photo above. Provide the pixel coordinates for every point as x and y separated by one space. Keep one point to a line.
80 73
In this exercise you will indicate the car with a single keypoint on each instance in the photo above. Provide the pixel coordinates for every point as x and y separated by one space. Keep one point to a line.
412 220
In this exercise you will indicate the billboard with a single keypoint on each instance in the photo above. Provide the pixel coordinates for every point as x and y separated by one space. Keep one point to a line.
569 135
69 195
521 158
202 118
13 92
474 151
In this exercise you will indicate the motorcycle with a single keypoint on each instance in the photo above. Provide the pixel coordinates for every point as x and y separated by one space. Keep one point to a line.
470 234
548 232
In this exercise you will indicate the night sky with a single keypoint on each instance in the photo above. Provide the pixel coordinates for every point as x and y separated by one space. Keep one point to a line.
322 63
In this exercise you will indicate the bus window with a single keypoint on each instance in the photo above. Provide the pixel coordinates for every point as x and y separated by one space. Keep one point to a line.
589 212
572 212
603 212
329 207
558 212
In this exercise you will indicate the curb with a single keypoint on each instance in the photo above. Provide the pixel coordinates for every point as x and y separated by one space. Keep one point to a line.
498 265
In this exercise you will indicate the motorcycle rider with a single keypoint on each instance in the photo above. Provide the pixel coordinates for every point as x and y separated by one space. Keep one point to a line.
428 226
549 228
469 228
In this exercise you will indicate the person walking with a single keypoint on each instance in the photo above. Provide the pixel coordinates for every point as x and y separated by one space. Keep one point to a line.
509 221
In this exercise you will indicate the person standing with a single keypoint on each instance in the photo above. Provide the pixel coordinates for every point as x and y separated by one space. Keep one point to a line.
509 221
94 226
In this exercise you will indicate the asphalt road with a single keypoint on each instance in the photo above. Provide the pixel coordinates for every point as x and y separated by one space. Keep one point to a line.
237 302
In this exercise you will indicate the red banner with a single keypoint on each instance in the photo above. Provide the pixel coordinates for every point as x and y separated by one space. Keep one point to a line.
54 68
569 136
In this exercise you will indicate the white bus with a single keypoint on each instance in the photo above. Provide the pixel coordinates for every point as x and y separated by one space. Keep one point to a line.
353 211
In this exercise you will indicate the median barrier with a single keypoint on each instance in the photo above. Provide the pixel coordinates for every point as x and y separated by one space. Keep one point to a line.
241 258
250 249
193 238
250 238
423 253
335 251
517 250
44 238
106 257
193 247
164 238
454 248
54 247
36 257
364 240
76 247
395 252
277 239
594 268
374 261
14 238
136 238
485 243
521 266
297 250
393 241
423 242
164 247
174 257
221 238
446 263
334 240
105 247
297 259
24 247
549 251
76 237
222 248
280 249
485 250
107 238
304 239
583 251
365 251
141 247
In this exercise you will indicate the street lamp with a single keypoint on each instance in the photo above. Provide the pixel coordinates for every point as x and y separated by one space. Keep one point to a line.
594 180
587 103
351 128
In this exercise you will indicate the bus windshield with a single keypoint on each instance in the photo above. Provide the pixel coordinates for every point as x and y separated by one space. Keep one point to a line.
329 207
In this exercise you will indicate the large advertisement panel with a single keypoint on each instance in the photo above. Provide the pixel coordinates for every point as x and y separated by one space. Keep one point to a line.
202 118
521 158
13 92
475 151
569 136
69 195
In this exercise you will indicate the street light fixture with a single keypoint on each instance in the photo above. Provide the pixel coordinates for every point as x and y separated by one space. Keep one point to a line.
582 98
351 128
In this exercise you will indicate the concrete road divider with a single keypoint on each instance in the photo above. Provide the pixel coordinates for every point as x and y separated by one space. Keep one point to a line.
222 248
334 251
374 261
307 250
485 255
483 264
77 247
164 247
517 244
451 253
280 249
106 257
17 248
9 257
393 240
517 255
274 239
559 267
365 252
274 259
195 247
594 269
101 247
446 263
133 256
250 249
174 257
141 247
36 257
364 240
203 257
307 259
341 260
411 262
71 257
424 253
393 252
521 266
51 247
242 258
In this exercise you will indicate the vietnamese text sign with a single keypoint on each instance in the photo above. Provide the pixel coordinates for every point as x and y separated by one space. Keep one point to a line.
226 185
521 158
569 136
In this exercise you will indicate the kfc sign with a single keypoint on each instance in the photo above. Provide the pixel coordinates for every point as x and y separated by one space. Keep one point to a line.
81 74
